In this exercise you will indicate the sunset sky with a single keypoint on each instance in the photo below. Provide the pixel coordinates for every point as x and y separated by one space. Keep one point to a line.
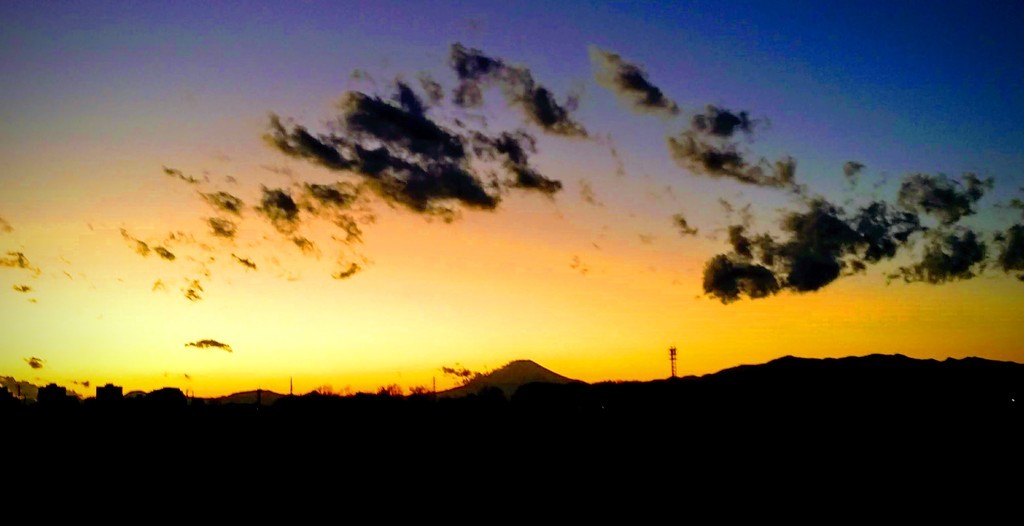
221 196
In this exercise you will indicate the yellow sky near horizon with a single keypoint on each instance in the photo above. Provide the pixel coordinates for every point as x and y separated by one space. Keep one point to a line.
483 290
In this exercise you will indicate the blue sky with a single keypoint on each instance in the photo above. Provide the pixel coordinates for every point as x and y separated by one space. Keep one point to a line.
895 85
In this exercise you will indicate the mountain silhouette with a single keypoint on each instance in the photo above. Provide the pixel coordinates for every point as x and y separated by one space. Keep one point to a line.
875 379
509 378
247 397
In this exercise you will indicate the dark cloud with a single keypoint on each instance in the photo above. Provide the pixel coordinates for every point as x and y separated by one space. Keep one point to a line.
405 128
141 247
728 279
225 202
330 200
721 122
851 170
178 237
306 246
746 217
718 158
20 388
460 374
741 244
818 241
408 99
193 291
159 285
5 227
347 272
353 233
409 159
707 149
174 172
164 253
946 199
1011 257
419 172
817 246
22 288
278 206
283 171
83 383
952 255
473 68
471 64
17 260
338 195
300 144
361 74
35 363
222 227
209 344
884 230
578 265
587 193
434 91
514 149
630 82
620 167
477 71
543 110
529 179
246 262
684 228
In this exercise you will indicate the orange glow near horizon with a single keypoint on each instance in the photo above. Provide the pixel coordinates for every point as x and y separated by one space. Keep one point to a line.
593 281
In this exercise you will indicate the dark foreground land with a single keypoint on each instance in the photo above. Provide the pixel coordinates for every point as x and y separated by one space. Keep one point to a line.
885 421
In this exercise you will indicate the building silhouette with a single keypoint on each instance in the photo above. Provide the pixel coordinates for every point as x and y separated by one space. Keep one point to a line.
51 393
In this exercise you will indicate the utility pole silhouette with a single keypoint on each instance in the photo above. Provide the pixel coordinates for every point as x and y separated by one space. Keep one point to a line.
672 359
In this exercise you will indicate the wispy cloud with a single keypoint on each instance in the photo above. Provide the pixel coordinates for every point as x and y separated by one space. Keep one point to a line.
221 227
683 226
18 260
347 272
587 193
193 291
707 148
246 262
209 344
477 71
224 202
941 197
178 174
629 81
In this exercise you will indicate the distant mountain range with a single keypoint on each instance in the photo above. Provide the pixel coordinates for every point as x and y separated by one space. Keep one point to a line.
853 379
